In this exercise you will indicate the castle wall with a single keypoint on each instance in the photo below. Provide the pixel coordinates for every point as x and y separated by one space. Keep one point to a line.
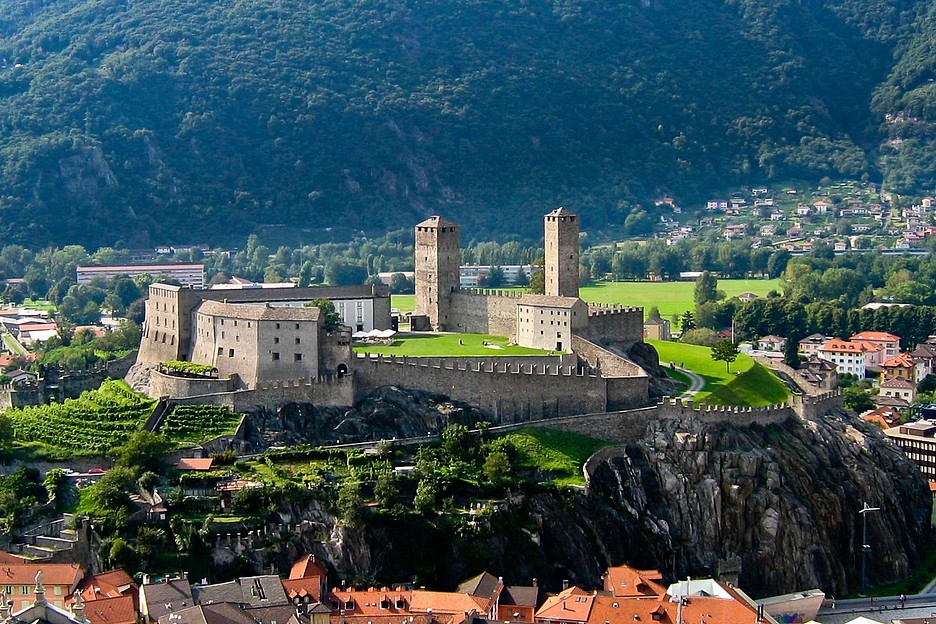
611 324
483 313
162 385
505 390
323 391
167 326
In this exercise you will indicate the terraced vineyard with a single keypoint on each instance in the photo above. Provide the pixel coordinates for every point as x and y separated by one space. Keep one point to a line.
198 423
92 424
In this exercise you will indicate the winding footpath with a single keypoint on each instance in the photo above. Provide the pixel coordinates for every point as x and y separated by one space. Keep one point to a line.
696 383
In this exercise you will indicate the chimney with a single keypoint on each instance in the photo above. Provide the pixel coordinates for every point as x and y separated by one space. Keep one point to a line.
535 582
565 584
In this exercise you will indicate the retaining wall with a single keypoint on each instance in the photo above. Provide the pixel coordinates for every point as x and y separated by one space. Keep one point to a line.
475 313
177 387
614 324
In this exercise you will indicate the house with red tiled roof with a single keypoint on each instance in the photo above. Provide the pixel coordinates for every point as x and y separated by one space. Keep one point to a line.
201 464
570 606
811 344
307 582
884 416
113 584
902 366
512 603
624 580
771 343
17 581
925 357
848 357
889 342
111 610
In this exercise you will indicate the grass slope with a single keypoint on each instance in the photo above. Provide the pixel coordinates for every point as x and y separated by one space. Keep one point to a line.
557 453
439 345
755 387
670 297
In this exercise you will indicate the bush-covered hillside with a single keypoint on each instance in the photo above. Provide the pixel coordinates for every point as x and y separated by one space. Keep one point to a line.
135 122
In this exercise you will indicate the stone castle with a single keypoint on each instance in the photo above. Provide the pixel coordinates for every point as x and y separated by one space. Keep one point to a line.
266 348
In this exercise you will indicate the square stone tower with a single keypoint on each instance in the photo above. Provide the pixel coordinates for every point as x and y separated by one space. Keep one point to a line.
562 253
438 257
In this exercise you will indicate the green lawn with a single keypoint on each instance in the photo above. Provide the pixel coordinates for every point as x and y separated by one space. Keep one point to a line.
670 297
558 453
439 345
699 360
755 387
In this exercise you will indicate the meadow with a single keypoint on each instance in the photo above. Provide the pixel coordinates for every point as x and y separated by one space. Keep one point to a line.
672 298
746 383
448 345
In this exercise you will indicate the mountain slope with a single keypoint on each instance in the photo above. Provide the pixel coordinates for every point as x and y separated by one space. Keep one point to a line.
134 122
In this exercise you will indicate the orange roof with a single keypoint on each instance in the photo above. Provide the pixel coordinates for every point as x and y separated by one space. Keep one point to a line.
195 463
26 327
627 581
448 602
694 609
418 618
877 336
573 604
932 486
846 346
108 585
904 360
303 587
116 610
367 602
307 567
65 574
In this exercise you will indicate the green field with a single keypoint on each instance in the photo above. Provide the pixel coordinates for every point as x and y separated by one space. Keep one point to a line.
558 454
755 385
670 297
441 345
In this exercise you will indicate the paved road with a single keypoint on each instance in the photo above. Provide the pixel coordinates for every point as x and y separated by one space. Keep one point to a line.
883 609
12 343
696 383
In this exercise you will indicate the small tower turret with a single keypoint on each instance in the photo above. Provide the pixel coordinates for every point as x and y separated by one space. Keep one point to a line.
562 253
438 257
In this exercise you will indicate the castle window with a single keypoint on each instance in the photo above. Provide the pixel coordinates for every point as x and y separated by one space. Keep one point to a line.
275 357
298 340
297 325
220 351
277 326
230 352
222 321
276 340
297 357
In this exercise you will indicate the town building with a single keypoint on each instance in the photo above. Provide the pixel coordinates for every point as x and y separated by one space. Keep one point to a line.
889 342
848 357
59 581
902 366
899 388
657 329
771 343
186 274
918 441
810 345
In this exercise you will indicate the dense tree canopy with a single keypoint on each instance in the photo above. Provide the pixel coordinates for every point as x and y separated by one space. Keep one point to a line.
158 121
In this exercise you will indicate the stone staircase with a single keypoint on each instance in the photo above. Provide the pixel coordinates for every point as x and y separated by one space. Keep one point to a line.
50 541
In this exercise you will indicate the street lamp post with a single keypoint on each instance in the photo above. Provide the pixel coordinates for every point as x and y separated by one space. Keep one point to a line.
865 546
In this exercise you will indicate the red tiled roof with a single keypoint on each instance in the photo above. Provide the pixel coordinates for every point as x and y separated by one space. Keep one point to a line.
904 360
117 610
875 335
572 605
627 581
108 585
195 463
65 574
846 346
307 567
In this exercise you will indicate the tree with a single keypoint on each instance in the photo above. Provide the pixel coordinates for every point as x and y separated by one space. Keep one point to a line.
350 504
426 494
144 451
725 351
857 399
538 282
54 483
522 279
495 277
654 313
385 491
687 321
327 314
400 284
496 467
706 289
456 439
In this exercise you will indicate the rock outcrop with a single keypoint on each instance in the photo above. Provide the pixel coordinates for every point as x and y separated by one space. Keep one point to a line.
774 507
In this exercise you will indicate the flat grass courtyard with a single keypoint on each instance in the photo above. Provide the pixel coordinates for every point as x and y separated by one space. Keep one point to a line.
448 345
670 297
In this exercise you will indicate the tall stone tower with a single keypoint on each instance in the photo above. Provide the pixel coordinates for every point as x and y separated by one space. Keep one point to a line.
438 257
562 253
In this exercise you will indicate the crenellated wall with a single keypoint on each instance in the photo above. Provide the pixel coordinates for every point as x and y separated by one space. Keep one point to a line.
324 391
508 391
614 324
177 387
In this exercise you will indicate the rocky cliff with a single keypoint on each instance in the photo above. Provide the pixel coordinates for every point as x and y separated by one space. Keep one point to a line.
774 507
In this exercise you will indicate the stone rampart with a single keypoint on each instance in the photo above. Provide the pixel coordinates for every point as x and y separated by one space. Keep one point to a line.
178 387
507 391
812 407
614 324
325 391
472 312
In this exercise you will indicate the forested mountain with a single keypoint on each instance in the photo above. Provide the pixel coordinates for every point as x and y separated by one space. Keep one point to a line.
133 122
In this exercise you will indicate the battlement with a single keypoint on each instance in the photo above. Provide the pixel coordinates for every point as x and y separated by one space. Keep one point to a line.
304 382
481 366
492 292
602 309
